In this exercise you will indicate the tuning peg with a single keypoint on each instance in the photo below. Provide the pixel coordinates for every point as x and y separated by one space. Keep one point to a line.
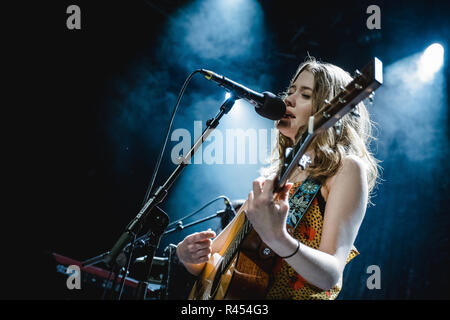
326 115
355 112
287 152
371 97
341 100
342 88
357 73
358 86
338 127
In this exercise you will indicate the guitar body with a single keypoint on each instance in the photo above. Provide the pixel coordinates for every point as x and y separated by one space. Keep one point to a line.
250 278
247 275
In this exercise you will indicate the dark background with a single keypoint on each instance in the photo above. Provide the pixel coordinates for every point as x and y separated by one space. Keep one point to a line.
93 105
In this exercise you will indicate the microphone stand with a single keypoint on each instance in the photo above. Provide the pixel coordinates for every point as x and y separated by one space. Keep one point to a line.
136 225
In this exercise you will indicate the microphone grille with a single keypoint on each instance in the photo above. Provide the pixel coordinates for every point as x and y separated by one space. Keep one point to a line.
273 107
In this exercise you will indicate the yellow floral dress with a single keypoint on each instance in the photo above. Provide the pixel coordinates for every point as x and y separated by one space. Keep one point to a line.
288 284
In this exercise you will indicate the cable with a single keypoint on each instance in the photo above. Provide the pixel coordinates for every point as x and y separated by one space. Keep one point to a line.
105 291
197 211
158 163
130 256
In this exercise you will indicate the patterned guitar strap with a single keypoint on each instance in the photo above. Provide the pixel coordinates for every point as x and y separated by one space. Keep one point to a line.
300 202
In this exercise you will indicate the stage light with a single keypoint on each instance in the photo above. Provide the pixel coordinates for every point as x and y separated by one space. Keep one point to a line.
418 120
431 61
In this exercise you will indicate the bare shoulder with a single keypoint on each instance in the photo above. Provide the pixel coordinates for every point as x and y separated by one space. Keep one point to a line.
352 170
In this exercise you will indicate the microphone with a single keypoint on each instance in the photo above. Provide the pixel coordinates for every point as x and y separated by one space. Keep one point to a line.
230 207
228 214
266 104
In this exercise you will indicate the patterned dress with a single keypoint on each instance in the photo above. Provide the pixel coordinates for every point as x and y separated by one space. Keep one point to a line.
288 284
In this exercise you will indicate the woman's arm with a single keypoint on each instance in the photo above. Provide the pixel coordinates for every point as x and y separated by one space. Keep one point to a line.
345 209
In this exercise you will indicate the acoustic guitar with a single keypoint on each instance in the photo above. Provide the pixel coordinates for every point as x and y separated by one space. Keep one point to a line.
241 268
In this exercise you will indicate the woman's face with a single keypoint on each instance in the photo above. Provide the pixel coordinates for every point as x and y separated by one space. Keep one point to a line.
298 105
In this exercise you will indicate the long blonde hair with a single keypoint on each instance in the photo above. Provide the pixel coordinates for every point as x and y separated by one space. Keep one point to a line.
331 146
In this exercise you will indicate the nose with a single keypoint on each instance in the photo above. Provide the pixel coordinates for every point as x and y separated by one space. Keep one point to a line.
289 101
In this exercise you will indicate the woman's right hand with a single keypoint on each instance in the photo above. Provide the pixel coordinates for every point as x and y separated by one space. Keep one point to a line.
196 248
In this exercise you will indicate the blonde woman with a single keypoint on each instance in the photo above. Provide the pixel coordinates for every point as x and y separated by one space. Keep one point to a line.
313 251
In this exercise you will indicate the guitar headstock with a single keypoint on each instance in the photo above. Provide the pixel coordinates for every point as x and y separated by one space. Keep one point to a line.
363 86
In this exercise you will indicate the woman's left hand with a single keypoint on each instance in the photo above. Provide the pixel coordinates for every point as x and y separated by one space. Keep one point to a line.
267 211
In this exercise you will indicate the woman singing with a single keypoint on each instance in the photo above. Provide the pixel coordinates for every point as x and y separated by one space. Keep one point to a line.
314 246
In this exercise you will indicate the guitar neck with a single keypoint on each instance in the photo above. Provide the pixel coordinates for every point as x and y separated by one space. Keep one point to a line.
233 247
293 163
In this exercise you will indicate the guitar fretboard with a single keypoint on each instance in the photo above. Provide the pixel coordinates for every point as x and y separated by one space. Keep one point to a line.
234 245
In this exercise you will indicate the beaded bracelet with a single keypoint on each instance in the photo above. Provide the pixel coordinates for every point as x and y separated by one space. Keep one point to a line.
296 250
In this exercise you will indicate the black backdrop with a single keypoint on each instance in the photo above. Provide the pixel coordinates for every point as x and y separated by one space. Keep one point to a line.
84 165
